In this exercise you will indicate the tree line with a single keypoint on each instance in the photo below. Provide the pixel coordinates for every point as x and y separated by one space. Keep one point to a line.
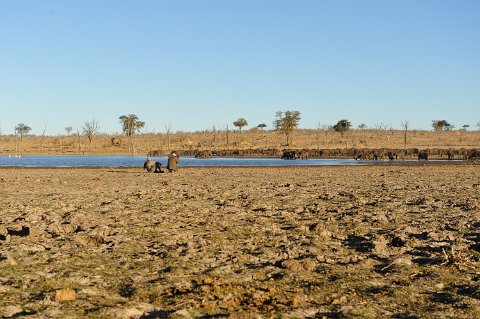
285 123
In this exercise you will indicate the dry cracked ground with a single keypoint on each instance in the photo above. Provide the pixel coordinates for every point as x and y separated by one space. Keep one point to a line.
383 241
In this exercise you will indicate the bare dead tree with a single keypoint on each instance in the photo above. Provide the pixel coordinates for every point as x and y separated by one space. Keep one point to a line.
379 128
43 134
205 138
69 130
318 130
323 128
1 139
405 124
317 133
168 130
214 131
226 133
79 141
16 141
90 129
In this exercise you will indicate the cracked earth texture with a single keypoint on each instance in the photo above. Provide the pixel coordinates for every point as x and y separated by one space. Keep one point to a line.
381 241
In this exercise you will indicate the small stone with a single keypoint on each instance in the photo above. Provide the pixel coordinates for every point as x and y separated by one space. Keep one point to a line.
440 286
184 287
183 313
66 294
309 265
131 313
326 234
12 311
3 232
336 302
293 264
10 259
89 241
381 246
402 261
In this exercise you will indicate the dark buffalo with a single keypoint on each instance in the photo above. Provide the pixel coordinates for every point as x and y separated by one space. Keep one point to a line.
474 154
154 153
377 154
392 155
289 155
450 153
423 155
203 154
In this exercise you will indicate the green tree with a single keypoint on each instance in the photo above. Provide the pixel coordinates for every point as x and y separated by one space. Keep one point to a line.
286 123
130 125
441 125
262 126
68 129
22 129
342 126
240 123
362 126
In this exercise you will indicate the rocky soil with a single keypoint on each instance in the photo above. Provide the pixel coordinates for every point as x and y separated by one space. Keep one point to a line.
385 241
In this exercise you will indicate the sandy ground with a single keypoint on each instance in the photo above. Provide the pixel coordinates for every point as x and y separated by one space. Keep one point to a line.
306 242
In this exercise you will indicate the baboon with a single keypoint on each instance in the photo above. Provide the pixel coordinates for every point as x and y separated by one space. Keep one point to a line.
173 159
158 168
149 165
152 167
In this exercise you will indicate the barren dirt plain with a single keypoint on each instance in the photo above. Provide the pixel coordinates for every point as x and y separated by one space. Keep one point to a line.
376 241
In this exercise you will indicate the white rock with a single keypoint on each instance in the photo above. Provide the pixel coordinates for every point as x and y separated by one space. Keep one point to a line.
11 311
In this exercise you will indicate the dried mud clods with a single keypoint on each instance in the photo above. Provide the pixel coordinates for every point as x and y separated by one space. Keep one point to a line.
329 242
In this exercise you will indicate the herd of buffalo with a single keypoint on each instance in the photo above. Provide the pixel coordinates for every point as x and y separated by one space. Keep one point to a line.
355 153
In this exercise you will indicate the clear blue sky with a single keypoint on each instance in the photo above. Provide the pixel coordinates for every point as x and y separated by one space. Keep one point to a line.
195 64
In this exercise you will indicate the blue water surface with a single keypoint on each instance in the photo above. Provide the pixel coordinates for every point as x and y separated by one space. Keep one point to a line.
137 161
